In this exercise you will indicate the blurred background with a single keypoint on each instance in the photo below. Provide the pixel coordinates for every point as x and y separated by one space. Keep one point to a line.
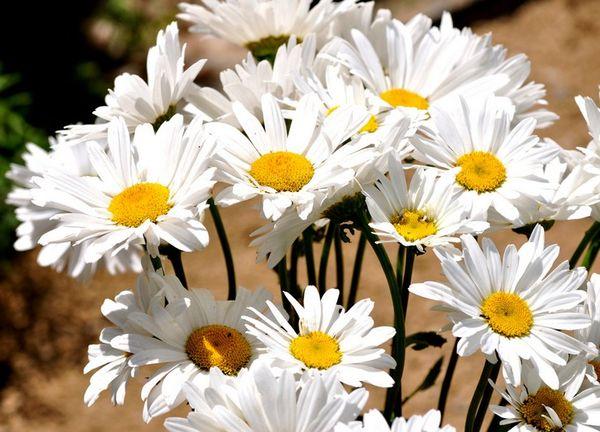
57 59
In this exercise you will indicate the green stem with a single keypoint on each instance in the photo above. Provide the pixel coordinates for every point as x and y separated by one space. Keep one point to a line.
393 406
411 253
591 254
307 237
477 396
400 264
485 399
495 423
283 284
339 264
293 276
589 235
174 255
358 260
214 211
325 258
445 390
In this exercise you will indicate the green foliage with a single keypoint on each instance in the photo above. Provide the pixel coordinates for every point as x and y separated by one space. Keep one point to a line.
15 132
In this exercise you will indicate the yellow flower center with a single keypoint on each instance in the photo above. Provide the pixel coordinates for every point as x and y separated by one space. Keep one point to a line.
139 203
413 225
596 365
480 171
331 110
316 350
507 314
283 171
534 412
371 126
400 97
220 346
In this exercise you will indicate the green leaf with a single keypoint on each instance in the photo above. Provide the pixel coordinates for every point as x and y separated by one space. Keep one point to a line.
421 340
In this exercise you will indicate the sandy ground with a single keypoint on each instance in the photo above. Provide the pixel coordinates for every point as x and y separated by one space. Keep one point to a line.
46 320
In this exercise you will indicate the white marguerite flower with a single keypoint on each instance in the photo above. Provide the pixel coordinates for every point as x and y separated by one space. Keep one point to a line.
590 158
260 401
534 406
287 169
262 26
328 339
426 213
374 421
166 92
415 65
248 81
35 221
150 189
187 337
113 371
496 166
512 307
591 335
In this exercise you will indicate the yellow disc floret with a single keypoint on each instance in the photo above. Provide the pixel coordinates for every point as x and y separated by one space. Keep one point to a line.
534 412
371 126
316 350
507 314
220 346
283 171
331 110
413 225
139 203
480 171
398 97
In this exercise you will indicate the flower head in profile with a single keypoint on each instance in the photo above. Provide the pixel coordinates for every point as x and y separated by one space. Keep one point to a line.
149 190
187 337
513 307
374 421
496 167
425 214
164 94
329 338
534 406
273 22
287 169
258 400
35 221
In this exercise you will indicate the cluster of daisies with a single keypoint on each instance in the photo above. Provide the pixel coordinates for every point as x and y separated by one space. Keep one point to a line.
342 124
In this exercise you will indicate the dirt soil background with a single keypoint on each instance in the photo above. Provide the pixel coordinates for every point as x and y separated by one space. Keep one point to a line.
47 320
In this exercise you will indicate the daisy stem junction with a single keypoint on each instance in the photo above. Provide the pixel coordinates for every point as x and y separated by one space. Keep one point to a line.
325 258
589 236
214 211
339 263
393 402
307 238
447 382
355 280
470 425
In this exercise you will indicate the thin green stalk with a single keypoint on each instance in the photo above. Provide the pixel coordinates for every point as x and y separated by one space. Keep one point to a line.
485 399
214 211
495 423
339 264
589 235
325 258
307 238
400 264
393 406
174 255
446 384
358 260
591 254
477 395
283 284
293 276
411 253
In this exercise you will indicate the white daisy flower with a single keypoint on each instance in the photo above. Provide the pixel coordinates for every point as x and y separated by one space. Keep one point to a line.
35 221
113 371
187 337
495 165
514 307
262 26
374 421
165 93
287 169
425 214
414 66
248 81
260 401
328 339
591 335
536 407
151 189
590 158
